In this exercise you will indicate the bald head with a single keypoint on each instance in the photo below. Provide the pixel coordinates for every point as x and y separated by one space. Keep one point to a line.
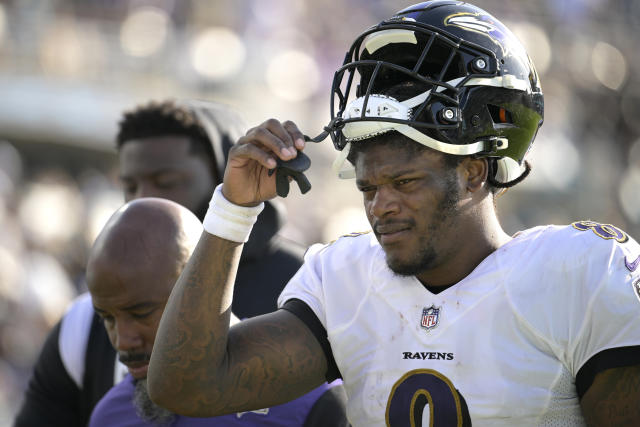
147 232
133 265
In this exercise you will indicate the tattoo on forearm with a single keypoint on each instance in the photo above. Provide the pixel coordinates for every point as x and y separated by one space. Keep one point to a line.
259 363
191 340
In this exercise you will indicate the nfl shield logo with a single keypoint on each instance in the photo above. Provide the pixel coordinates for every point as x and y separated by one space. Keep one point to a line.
430 317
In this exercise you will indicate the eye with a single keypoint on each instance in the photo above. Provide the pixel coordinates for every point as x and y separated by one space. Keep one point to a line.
129 187
142 315
167 181
106 318
366 188
404 181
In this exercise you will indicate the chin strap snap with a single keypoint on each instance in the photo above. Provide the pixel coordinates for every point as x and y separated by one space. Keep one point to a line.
293 169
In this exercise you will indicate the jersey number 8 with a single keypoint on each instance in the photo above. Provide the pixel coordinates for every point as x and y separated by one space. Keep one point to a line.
426 389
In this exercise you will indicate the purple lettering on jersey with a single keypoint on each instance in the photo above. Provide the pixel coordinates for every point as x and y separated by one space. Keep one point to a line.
631 266
606 231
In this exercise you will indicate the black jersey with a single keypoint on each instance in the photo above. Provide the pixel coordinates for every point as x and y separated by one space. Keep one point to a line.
75 368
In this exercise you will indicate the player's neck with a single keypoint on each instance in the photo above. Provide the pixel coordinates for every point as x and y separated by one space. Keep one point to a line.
479 236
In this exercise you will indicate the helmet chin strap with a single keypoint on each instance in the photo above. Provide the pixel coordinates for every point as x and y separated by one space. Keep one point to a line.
341 167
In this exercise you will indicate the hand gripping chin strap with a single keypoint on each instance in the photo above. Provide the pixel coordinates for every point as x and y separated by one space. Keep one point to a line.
295 167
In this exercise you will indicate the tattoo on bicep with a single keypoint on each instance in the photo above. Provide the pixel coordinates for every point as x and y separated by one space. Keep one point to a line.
272 357
618 399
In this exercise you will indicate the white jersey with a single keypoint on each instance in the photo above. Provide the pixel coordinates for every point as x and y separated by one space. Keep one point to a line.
503 346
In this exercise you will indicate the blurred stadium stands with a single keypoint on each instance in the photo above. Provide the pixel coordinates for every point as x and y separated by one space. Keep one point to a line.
69 68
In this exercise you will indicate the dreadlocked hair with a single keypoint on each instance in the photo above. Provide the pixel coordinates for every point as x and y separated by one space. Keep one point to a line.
157 119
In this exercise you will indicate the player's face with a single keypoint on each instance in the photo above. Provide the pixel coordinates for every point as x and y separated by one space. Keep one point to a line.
411 203
130 298
166 167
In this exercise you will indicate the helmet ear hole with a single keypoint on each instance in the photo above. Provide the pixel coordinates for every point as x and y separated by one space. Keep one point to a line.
500 115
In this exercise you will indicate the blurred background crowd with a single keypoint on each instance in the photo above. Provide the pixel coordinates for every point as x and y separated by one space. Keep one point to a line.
69 68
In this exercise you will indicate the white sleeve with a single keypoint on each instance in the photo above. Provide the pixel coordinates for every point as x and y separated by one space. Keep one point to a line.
574 295
74 337
306 284
611 318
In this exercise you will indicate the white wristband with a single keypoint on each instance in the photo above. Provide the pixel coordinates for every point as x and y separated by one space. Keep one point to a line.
229 221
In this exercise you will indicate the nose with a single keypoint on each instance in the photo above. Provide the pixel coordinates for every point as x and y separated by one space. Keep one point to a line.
384 202
146 189
127 337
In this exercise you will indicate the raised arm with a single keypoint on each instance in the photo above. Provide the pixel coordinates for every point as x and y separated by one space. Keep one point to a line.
200 366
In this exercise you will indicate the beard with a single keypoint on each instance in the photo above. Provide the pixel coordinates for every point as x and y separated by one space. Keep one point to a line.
146 409
426 256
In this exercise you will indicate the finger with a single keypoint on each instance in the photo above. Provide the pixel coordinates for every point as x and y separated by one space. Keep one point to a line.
278 129
267 141
261 135
295 133
249 150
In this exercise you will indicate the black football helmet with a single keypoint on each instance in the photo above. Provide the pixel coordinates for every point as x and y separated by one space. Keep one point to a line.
446 74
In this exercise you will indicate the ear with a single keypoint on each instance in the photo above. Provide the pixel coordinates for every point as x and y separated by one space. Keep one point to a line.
475 172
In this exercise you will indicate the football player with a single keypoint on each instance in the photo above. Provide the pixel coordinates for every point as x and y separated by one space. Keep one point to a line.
438 317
